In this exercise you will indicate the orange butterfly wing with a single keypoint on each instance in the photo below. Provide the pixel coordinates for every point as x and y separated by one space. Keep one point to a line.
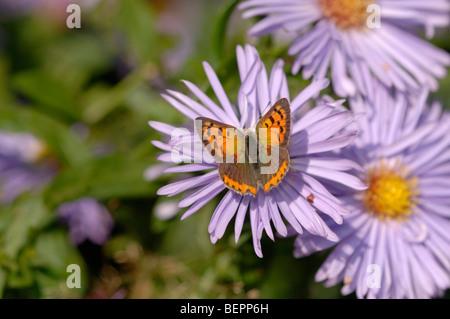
225 144
276 121
222 141
273 131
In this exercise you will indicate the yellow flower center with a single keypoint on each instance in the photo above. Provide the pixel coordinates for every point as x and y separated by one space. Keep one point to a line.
391 193
346 14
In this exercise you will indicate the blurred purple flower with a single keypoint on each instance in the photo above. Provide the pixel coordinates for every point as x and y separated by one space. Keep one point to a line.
342 35
11 8
317 131
15 8
87 220
401 223
180 19
24 165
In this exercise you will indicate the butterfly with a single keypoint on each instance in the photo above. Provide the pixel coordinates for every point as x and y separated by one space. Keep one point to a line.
250 159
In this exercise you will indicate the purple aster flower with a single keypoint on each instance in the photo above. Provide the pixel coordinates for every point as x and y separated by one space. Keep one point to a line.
87 220
25 165
358 40
398 230
299 197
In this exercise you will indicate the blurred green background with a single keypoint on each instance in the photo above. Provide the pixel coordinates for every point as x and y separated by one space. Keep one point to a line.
88 94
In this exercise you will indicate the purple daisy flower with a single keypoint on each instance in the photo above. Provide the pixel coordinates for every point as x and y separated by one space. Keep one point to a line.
87 220
24 165
299 196
359 40
398 230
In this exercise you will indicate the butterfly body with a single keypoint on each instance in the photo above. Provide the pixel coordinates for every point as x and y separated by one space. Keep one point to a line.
254 158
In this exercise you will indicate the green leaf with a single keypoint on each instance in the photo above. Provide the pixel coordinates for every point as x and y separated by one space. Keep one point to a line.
2 281
65 145
104 178
101 100
137 21
189 238
47 93
27 215
55 287
73 66
443 94
6 95
21 277
220 37
54 252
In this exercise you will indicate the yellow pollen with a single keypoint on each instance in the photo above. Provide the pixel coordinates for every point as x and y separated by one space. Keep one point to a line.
346 14
391 194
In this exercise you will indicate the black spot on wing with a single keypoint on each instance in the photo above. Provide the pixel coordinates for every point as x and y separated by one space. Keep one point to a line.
280 113
271 119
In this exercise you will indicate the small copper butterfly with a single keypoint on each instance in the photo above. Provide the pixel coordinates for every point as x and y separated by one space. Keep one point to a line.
244 158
